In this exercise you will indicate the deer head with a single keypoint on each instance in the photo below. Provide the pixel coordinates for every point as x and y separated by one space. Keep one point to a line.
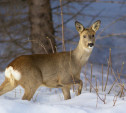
87 35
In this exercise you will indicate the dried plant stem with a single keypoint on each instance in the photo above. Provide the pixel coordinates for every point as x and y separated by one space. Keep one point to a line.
85 78
63 42
42 45
102 77
122 67
110 60
118 93
51 44
103 100
109 64
119 77
96 83
122 93
119 74
114 75
91 79
107 77
112 86
114 100
97 102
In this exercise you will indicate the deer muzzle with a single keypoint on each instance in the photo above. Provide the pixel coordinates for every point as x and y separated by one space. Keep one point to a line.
90 44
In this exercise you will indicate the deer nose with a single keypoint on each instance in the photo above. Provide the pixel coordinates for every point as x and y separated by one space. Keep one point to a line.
90 44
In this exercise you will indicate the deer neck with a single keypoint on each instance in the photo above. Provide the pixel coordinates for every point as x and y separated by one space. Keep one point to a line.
81 54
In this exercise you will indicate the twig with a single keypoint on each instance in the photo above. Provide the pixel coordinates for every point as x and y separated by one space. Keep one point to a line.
122 93
113 22
85 6
51 44
102 77
85 78
113 35
97 102
91 79
114 100
120 72
108 68
96 83
95 91
104 98
107 77
119 76
112 86
122 68
42 45
63 43
110 60
62 5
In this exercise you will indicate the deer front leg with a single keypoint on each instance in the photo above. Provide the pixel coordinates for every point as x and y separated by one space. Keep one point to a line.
80 87
66 92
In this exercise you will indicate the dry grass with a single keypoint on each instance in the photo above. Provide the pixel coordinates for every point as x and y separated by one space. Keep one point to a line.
91 78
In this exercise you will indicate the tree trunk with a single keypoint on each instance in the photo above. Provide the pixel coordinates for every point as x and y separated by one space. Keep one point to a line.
42 31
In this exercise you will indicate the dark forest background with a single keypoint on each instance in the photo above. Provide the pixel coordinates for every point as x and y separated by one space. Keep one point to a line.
35 26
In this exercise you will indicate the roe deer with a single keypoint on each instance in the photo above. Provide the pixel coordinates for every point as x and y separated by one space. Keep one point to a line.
57 70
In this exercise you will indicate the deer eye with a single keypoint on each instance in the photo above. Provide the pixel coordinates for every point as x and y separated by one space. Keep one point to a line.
84 36
92 35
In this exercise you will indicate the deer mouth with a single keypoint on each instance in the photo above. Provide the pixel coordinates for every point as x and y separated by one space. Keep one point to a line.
90 45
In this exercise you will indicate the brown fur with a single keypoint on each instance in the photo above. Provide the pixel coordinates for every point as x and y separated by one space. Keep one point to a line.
58 70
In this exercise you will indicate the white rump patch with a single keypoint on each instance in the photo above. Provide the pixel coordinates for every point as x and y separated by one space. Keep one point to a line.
11 72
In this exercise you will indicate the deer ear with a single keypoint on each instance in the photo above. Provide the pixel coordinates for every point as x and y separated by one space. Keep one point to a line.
79 26
96 25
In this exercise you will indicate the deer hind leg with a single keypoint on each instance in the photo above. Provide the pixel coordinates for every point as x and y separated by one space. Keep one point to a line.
6 87
66 92
29 93
29 90
31 84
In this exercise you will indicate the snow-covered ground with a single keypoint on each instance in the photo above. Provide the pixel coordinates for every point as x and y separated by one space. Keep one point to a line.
51 100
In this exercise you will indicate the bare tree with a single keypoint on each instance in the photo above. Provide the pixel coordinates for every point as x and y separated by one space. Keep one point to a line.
42 31
26 24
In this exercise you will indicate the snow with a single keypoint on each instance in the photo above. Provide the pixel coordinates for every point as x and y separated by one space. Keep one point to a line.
85 103
48 100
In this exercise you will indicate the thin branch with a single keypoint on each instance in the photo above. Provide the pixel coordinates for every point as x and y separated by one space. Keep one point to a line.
102 77
99 1
91 79
95 91
111 35
73 15
63 43
59 6
113 22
